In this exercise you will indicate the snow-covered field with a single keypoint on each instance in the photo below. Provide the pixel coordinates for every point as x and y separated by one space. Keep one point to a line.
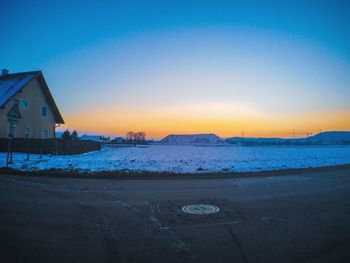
188 159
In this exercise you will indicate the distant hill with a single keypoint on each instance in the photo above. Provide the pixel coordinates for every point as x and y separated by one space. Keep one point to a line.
252 140
323 138
342 137
188 139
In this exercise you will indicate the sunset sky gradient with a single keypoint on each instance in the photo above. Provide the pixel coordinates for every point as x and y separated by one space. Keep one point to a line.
187 66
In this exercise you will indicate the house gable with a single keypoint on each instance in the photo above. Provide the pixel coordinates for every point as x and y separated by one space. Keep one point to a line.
11 84
38 111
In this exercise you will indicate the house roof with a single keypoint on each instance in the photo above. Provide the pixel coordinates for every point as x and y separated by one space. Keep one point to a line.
91 138
11 84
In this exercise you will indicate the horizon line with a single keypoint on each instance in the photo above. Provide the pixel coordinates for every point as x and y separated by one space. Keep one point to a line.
292 135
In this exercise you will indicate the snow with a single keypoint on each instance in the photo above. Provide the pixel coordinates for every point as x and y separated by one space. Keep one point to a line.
188 159
198 139
58 134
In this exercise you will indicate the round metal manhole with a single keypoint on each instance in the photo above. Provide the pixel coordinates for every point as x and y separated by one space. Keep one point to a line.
200 209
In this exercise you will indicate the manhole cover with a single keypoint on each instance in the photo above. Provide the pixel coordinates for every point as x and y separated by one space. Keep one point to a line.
200 209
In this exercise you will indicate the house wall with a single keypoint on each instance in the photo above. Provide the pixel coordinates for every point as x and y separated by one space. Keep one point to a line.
31 116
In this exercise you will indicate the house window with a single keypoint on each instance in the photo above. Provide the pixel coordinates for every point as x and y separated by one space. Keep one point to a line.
43 111
45 133
27 132
23 104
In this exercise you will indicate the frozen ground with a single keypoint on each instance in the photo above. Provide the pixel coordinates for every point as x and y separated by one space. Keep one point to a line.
188 159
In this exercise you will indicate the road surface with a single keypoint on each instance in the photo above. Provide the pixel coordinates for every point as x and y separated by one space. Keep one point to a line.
298 217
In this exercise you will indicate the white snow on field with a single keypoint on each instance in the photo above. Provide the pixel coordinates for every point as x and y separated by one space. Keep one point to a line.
188 159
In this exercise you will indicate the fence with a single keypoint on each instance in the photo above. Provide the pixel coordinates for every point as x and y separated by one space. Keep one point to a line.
49 146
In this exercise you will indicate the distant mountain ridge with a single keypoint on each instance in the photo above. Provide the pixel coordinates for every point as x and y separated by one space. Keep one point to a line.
331 136
188 139
323 138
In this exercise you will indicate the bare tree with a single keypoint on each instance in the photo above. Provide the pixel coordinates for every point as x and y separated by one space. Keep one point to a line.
129 136
142 137
136 137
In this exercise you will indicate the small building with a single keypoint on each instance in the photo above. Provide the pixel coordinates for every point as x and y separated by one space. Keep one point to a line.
118 140
95 138
27 108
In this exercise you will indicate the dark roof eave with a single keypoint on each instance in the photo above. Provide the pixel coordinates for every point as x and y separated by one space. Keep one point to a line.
14 75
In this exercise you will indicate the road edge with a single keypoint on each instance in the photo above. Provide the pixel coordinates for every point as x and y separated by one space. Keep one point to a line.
130 175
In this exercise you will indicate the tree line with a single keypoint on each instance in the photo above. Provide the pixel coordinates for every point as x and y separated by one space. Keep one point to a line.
68 136
131 137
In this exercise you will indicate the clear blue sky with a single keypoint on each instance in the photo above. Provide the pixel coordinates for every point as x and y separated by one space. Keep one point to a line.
284 60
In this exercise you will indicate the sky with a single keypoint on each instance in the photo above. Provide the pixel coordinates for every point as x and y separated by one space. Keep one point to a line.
265 68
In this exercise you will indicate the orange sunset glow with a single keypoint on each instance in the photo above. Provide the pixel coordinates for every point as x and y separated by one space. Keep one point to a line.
220 119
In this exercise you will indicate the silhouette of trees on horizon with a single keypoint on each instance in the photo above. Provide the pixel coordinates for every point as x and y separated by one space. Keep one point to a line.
136 137
68 136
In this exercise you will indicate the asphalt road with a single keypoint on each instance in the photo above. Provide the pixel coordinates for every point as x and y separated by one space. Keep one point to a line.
298 217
